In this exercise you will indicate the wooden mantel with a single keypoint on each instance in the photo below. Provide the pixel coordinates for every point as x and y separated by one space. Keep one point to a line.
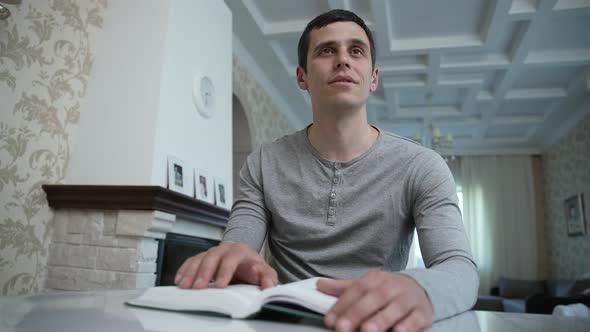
107 197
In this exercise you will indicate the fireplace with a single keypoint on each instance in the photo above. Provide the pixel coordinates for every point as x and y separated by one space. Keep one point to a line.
125 237
173 251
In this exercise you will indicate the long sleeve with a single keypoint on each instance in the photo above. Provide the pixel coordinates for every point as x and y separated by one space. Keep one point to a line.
249 218
451 278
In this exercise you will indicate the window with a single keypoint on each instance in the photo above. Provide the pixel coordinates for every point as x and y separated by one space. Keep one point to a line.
415 260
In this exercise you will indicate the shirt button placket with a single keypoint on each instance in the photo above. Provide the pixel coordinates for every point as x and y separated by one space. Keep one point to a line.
332 200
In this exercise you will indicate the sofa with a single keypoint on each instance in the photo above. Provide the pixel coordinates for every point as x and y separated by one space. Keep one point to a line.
534 296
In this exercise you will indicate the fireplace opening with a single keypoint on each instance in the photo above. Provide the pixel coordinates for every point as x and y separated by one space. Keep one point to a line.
173 251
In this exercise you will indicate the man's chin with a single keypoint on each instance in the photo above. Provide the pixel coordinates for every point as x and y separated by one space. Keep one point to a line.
343 104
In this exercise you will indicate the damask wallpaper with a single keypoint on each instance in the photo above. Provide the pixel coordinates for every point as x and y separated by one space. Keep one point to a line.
566 166
46 53
264 119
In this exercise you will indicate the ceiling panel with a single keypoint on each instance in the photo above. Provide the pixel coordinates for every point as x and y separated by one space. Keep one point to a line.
425 18
362 9
278 11
543 77
508 131
525 107
569 32
417 62
442 96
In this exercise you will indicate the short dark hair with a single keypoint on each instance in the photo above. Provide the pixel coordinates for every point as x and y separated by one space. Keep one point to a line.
334 15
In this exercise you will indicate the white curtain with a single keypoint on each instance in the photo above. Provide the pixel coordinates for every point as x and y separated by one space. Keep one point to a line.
499 215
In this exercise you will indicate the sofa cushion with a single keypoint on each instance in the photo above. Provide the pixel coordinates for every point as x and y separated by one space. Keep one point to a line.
489 303
560 287
516 288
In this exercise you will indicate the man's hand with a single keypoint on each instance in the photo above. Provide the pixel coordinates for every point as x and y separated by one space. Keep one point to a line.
378 301
225 263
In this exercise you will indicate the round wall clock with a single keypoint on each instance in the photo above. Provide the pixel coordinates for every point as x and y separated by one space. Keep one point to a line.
204 95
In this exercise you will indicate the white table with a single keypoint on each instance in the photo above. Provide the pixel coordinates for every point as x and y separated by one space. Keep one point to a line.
106 311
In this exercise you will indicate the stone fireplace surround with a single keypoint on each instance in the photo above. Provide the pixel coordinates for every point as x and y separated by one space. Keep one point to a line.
106 237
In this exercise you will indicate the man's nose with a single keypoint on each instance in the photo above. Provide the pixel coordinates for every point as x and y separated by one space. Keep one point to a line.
342 59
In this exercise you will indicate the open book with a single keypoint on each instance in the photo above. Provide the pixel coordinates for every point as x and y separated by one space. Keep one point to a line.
238 301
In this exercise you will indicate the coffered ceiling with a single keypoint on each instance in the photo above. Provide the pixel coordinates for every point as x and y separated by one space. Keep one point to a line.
501 76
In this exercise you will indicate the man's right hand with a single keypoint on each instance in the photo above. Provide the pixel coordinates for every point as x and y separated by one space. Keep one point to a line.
225 263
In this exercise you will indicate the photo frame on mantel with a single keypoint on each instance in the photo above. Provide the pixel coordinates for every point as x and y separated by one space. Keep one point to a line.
575 215
204 189
221 193
179 176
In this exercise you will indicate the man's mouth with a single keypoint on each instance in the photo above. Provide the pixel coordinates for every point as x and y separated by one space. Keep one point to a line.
342 79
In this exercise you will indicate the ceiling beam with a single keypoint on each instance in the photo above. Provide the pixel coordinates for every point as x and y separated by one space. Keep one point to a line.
535 93
383 24
527 35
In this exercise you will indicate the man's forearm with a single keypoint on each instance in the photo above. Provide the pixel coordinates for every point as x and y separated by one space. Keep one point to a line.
451 285
247 224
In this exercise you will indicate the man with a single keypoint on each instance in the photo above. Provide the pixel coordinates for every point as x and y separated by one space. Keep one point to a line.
341 199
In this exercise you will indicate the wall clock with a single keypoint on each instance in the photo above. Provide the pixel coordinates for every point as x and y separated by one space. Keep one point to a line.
204 95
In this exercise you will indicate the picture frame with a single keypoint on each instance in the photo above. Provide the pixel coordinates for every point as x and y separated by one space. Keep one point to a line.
221 194
179 176
204 187
574 215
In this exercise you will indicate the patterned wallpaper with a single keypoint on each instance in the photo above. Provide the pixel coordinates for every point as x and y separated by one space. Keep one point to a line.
566 166
46 53
265 121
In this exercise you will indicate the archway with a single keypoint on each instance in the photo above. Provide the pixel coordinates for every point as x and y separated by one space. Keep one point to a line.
242 142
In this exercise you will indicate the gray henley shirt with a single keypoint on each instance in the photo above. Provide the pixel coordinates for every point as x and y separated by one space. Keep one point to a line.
340 219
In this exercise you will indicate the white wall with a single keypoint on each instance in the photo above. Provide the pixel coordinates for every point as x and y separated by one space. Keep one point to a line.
139 105
115 139
198 41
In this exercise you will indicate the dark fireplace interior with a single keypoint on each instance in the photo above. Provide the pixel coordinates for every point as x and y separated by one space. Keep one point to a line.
173 251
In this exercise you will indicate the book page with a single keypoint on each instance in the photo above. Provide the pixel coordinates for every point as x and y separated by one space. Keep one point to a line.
237 301
303 293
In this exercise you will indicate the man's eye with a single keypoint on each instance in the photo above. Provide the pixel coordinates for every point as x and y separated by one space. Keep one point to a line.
357 51
326 51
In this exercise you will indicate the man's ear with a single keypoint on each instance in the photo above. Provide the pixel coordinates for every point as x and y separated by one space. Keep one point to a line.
374 80
301 78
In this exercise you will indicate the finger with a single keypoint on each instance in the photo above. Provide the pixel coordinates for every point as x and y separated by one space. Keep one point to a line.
334 317
387 317
191 266
182 270
332 286
367 306
269 278
245 272
227 269
417 320
207 267
352 293
252 272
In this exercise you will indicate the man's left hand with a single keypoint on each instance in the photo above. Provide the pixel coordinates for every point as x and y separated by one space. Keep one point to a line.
378 301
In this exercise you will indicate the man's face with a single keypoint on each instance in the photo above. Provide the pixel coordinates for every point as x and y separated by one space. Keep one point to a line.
339 70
